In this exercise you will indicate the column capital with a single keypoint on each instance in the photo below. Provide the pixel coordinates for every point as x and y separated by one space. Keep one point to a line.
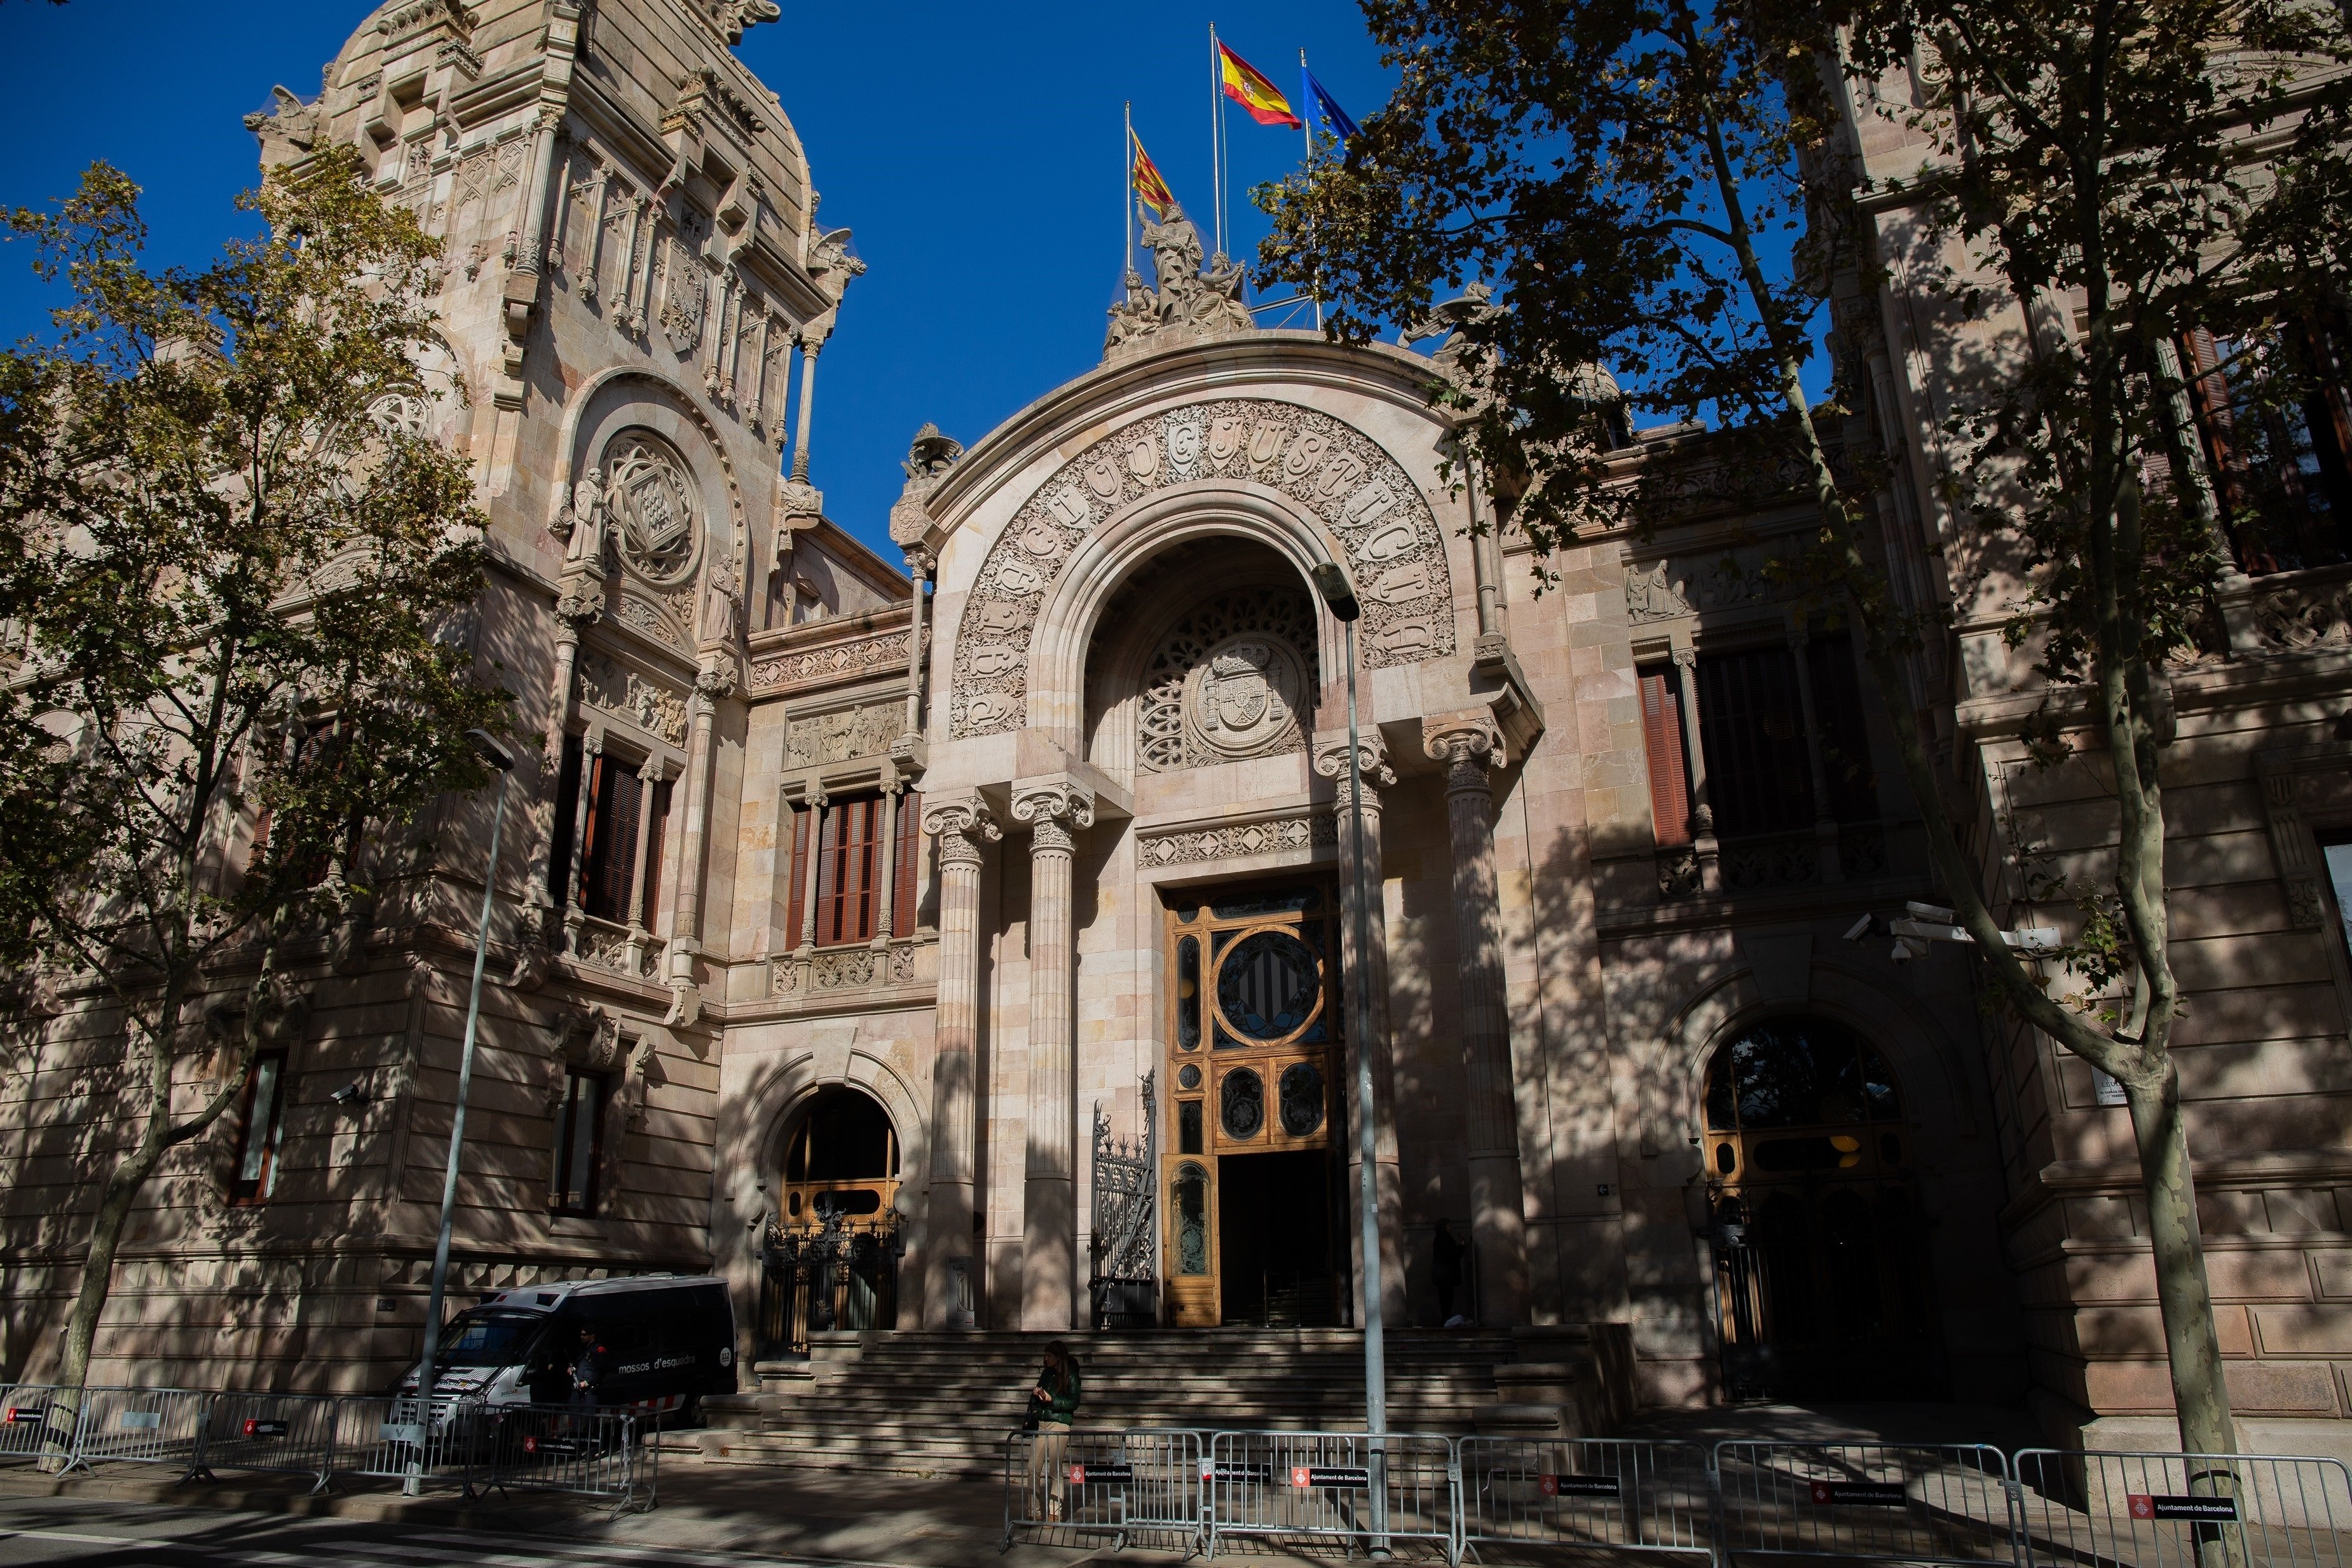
1054 807
1467 743
1686 658
962 823
921 562
715 680
1371 758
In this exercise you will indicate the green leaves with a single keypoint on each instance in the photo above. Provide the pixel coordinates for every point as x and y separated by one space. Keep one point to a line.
235 570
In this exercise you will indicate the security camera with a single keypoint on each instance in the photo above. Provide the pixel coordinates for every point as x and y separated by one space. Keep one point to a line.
350 1093
1858 929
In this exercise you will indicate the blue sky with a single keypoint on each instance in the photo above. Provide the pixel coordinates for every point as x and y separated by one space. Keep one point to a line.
979 163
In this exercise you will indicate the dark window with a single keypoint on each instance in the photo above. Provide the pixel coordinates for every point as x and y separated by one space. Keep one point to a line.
567 807
655 827
261 1127
2272 411
1751 722
1799 1073
1845 736
579 1142
845 1137
1662 735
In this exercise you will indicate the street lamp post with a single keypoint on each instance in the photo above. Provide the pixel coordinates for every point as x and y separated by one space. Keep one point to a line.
1339 596
499 758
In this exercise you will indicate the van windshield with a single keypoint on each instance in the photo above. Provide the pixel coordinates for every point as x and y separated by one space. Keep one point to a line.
488 1337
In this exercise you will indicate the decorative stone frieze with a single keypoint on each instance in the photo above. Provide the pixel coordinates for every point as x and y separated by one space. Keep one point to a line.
1189 846
1333 470
817 738
607 684
859 655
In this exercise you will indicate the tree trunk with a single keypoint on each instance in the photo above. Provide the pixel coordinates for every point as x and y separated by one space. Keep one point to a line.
122 1187
2191 1340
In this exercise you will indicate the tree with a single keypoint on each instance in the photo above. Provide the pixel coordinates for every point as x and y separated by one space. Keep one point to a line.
1668 185
231 566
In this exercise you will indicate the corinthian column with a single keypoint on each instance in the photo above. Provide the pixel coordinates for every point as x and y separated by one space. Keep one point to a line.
1369 972
1469 745
1054 809
963 828
717 680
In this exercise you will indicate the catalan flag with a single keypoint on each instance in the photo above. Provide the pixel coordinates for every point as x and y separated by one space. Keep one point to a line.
1246 87
1149 188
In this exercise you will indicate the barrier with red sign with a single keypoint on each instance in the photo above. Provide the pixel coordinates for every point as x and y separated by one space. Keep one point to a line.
1137 1483
268 1433
140 1427
1877 1502
35 1420
567 1448
2183 1510
1363 1491
1623 1494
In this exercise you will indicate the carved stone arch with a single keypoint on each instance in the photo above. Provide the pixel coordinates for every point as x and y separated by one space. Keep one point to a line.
586 430
1311 481
1925 1059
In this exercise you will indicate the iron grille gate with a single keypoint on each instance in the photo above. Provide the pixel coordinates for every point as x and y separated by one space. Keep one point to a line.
1126 1283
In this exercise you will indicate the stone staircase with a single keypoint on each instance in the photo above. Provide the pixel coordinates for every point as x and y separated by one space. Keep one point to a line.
938 1404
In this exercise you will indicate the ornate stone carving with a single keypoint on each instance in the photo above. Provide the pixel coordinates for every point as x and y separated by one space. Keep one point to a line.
842 968
1371 761
813 666
685 289
2306 616
929 458
1468 744
1190 846
813 739
1193 302
1234 678
605 682
1054 809
651 498
1649 597
961 824
1393 544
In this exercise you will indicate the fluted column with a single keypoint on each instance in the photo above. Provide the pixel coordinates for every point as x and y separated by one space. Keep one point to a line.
716 680
1056 810
963 827
1710 856
1369 971
1468 746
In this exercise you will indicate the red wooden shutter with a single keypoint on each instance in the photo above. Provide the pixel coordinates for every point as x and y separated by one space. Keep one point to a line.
592 779
910 847
845 877
653 830
796 909
1661 733
614 834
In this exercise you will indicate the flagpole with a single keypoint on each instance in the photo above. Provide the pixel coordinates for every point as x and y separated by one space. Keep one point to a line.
1306 124
1127 202
1216 139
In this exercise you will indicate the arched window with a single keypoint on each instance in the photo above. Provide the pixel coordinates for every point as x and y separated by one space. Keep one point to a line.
843 1158
1793 1095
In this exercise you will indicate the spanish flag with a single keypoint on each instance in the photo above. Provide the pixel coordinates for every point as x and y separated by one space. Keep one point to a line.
1245 87
1149 188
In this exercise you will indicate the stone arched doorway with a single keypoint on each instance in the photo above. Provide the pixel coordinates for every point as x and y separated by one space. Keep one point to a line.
1822 1287
830 1257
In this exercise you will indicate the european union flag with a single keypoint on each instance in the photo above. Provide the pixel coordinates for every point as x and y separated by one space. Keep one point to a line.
1325 108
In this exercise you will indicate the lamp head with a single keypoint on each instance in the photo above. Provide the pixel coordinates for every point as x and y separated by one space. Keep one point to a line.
1330 580
488 748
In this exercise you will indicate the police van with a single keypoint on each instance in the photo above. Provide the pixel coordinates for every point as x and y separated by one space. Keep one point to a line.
662 1341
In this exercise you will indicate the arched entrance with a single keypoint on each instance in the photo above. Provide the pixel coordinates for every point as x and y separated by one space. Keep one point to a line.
1821 1266
831 1252
1254 1044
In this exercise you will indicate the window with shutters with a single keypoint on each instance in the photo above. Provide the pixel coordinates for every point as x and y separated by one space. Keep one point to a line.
847 839
626 821
260 1129
1751 722
2277 422
1662 735
579 1142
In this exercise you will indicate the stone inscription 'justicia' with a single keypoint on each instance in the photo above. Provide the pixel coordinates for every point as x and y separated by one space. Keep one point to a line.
1395 550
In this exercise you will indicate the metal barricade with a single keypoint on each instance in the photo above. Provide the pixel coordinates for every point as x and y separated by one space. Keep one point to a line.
400 1439
1624 1494
1875 1501
564 1448
269 1434
140 1427
2183 1510
1140 1482
1332 1486
35 1422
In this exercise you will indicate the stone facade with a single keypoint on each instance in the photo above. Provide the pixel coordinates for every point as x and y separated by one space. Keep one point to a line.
944 850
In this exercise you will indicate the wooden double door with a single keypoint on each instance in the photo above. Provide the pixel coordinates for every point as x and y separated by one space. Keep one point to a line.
1255 1118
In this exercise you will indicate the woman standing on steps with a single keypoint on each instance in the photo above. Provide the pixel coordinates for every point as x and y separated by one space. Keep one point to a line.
1053 1405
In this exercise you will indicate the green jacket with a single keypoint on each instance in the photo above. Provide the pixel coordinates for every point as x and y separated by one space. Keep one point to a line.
1064 1405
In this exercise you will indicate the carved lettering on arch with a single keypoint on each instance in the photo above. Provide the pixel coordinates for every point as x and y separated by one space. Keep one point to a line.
1396 549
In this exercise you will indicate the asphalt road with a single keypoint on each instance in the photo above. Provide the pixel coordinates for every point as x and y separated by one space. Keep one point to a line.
86 1534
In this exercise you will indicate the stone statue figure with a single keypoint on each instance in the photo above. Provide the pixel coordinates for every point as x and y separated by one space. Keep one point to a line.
586 551
1132 317
1175 246
1196 300
720 609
